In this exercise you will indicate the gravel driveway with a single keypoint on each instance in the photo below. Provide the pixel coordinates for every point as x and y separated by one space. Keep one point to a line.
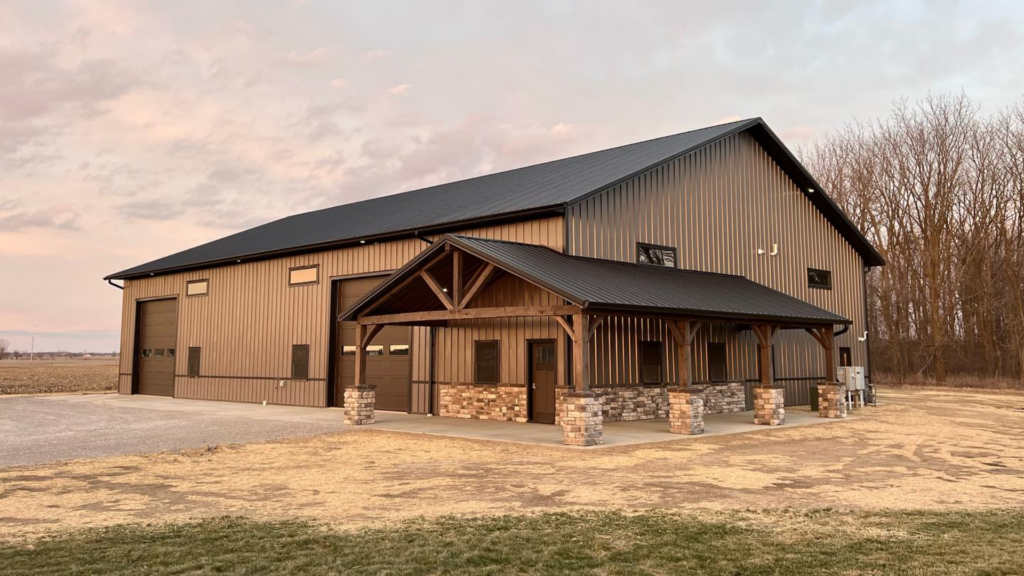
41 429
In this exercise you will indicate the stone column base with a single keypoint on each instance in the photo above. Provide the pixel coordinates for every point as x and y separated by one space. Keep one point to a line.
582 423
832 400
769 405
359 401
686 410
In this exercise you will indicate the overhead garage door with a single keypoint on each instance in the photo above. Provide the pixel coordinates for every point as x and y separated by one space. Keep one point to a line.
387 361
158 330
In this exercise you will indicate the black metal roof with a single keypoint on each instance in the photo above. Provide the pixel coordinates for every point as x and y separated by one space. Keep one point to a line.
533 190
611 286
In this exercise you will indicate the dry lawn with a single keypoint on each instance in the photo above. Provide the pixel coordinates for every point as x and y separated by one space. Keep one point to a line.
923 449
23 377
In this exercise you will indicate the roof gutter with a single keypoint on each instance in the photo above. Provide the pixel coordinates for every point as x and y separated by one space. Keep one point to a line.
111 282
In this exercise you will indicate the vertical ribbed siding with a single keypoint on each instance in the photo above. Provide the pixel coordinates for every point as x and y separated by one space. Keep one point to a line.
717 206
251 317
455 343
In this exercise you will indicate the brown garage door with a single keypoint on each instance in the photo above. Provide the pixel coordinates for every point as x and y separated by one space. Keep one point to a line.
158 330
387 362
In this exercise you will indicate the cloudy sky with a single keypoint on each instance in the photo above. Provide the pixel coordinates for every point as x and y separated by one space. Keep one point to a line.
131 130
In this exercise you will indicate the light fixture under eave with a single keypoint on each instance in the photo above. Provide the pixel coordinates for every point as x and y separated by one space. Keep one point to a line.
362 241
810 190
444 289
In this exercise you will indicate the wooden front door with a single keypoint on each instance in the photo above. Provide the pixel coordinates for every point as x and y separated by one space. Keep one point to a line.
156 348
541 387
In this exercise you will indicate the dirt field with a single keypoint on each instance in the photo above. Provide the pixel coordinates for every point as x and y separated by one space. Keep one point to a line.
924 449
24 377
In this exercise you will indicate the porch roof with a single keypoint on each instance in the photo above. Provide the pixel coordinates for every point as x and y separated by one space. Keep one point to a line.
610 287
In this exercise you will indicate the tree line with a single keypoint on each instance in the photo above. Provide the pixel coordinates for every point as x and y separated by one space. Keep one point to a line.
938 187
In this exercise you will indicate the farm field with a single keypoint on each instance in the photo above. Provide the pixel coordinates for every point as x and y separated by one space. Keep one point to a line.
54 376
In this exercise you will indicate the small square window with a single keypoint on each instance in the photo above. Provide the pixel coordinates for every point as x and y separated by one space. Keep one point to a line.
656 255
486 357
304 275
399 349
197 288
819 278
170 352
375 350
147 353
348 350
159 353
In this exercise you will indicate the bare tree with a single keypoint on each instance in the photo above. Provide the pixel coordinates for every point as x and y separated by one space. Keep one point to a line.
4 346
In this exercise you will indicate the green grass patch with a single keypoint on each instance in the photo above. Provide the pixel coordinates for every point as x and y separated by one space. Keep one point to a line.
824 542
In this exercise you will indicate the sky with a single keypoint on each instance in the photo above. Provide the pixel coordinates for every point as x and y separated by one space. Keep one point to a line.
132 130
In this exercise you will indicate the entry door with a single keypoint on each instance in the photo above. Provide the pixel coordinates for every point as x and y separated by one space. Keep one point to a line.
541 388
387 360
158 331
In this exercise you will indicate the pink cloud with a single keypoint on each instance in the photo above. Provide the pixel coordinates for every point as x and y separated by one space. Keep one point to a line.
400 89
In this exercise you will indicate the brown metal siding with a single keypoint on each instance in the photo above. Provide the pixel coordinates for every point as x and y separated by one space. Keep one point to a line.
248 323
717 206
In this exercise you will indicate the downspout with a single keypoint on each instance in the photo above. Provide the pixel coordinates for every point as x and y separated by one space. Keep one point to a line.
842 331
867 325
430 370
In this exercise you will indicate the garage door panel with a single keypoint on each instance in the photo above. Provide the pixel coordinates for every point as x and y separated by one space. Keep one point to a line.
390 373
157 330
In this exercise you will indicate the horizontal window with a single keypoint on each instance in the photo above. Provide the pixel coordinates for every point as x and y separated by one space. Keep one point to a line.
375 350
399 349
159 353
304 275
656 255
348 350
197 288
819 278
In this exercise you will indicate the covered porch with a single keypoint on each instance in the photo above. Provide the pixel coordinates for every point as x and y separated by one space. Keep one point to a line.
445 287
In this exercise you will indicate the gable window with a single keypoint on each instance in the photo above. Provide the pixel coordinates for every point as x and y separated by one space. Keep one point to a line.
485 361
194 355
197 288
819 278
656 255
303 275
300 362
716 362
650 362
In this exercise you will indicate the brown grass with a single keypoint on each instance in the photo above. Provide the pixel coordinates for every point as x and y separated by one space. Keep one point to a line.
966 381
921 449
23 377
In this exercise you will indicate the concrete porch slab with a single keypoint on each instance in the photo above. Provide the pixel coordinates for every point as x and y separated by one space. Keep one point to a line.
615 433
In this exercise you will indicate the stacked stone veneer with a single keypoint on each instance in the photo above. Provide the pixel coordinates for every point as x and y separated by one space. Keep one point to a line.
618 403
359 401
725 398
832 400
582 423
483 402
769 405
686 410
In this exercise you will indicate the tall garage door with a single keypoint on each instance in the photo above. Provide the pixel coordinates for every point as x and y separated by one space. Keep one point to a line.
157 334
387 362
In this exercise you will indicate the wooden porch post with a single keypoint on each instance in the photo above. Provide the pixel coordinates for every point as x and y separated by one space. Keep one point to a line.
830 354
581 352
684 332
360 375
765 333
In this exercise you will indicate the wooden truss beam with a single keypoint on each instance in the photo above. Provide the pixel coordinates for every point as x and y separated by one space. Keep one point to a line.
471 313
457 279
475 287
826 337
436 288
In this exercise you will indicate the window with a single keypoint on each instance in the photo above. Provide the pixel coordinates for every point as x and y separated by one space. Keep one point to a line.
348 350
375 350
845 357
819 278
193 362
197 288
159 353
656 255
303 275
300 362
399 349
485 361
650 362
716 362
147 353
170 352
